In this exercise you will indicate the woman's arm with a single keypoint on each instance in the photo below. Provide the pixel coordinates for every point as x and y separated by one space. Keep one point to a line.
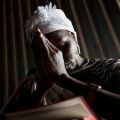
52 62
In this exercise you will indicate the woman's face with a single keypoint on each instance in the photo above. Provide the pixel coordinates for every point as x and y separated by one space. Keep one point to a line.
65 41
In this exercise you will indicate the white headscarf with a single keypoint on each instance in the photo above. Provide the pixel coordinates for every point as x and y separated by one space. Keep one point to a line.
48 18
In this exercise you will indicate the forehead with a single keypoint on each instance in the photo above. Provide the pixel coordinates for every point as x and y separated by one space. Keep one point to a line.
59 34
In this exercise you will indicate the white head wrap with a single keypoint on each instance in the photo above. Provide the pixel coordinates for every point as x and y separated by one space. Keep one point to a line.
48 19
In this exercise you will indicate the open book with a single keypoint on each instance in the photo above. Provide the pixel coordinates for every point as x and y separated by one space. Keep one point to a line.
73 109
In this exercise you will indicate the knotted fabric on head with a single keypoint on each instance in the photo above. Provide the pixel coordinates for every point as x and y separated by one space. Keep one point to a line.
49 19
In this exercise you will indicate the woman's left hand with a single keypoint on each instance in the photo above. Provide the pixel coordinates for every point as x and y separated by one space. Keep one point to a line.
51 57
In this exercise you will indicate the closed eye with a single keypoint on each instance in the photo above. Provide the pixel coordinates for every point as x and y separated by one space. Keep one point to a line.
64 46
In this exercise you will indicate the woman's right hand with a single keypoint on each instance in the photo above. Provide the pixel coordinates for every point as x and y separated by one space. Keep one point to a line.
51 57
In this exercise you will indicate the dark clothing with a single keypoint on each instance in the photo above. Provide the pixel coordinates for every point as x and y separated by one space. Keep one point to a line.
107 74
102 72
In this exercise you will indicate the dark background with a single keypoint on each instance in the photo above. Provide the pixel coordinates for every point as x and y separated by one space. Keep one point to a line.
97 23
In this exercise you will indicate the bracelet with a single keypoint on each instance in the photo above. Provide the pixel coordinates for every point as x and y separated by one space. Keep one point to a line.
93 88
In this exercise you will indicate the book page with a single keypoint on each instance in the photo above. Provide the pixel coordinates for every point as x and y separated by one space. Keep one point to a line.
75 108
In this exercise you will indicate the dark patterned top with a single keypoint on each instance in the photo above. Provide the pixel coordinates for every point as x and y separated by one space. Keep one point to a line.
102 72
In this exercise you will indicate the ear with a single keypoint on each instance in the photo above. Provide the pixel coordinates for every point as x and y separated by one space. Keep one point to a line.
78 47
71 34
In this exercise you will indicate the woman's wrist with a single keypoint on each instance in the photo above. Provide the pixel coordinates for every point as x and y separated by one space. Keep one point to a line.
64 77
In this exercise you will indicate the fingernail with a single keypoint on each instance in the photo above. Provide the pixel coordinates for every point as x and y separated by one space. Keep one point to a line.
38 30
41 35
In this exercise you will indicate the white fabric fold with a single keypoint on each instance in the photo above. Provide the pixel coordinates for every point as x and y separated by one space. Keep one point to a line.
48 19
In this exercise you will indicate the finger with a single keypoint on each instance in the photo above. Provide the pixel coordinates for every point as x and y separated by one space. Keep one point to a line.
41 41
40 34
48 44
52 46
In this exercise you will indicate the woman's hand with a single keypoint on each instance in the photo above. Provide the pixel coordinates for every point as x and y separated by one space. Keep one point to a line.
51 57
